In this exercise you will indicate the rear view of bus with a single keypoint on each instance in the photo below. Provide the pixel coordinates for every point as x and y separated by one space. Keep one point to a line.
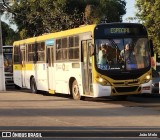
122 60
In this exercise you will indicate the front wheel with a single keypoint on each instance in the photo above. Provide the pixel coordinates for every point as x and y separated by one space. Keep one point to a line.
33 86
75 91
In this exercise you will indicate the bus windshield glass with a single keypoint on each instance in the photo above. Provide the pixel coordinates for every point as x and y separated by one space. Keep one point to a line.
122 54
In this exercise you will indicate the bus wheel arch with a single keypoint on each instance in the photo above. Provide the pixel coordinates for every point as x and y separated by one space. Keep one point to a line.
33 85
74 89
17 87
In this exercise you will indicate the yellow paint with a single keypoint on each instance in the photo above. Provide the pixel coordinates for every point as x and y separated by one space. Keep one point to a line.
51 91
17 67
83 29
29 66
25 67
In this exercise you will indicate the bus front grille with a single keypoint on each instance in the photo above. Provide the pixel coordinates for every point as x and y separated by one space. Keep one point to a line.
126 89
128 82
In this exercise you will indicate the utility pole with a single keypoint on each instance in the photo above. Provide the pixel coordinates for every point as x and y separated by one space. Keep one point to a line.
2 73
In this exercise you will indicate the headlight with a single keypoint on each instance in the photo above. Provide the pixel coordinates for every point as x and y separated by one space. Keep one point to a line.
102 81
148 77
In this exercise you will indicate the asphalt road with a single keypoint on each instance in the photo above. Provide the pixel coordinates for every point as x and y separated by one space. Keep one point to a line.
61 117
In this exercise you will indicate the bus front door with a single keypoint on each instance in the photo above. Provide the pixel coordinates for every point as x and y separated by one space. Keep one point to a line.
87 67
50 60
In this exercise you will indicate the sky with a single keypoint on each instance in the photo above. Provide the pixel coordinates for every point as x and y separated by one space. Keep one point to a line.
130 12
130 9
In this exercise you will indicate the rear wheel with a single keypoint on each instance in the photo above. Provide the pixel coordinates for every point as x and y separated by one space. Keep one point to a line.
75 91
33 86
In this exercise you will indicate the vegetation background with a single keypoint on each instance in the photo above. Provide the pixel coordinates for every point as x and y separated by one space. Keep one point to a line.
36 17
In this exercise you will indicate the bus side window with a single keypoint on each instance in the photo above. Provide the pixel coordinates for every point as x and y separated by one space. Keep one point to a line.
58 49
91 52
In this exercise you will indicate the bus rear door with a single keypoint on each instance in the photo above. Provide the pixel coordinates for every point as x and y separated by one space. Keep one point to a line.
50 61
23 51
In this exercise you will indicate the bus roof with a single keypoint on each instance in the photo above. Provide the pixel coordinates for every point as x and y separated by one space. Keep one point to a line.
81 29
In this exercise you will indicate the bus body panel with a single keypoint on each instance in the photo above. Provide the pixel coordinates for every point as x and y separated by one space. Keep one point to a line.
41 76
64 72
146 87
29 71
101 91
17 74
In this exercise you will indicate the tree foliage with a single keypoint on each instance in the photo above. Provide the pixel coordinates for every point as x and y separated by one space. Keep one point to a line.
35 17
149 13
8 34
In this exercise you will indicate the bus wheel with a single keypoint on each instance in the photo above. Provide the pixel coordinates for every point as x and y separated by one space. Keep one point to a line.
75 91
33 86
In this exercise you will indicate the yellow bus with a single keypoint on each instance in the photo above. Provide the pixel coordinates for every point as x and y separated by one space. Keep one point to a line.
70 62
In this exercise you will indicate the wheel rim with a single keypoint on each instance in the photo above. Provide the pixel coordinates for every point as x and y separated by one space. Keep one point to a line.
76 90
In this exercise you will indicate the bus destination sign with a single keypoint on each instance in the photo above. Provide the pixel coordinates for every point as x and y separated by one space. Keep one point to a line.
116 31
119 30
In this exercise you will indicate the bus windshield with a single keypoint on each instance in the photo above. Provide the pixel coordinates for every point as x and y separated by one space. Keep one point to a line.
122 54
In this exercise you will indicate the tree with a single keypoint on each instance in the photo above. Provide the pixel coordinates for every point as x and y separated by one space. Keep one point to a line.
35 17
8 34
149 14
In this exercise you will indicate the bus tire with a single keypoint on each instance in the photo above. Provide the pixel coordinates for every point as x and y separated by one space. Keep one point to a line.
75 91
33 86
